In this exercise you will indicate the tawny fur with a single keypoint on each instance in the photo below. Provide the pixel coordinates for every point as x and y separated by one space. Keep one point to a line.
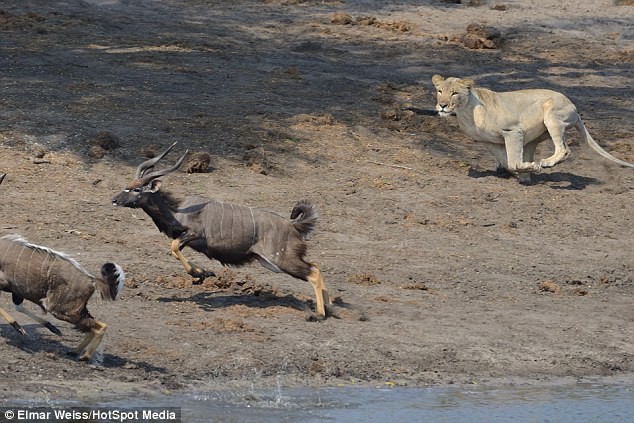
512 124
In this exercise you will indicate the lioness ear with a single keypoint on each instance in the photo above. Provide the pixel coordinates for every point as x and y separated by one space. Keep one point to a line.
468 82
437 80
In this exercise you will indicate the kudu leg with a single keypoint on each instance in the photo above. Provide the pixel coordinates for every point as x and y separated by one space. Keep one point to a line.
191 269
48 325
321 293
84 342
91 341
12 321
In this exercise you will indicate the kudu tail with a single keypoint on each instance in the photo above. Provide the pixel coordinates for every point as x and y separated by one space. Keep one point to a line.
596 147
112 281
304 216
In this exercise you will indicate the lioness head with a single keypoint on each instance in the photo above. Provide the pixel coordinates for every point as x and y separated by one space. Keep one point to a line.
451 93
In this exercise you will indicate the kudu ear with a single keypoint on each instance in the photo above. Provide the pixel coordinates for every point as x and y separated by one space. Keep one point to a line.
154 185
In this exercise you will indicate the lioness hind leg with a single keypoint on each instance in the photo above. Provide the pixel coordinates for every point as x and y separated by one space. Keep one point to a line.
557 130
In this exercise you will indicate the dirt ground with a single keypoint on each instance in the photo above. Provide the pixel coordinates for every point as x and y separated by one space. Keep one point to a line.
442 271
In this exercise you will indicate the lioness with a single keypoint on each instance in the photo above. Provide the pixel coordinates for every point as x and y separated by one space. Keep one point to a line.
513 123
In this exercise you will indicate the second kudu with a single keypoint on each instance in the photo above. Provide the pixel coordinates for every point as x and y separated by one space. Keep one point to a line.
58 284
230 233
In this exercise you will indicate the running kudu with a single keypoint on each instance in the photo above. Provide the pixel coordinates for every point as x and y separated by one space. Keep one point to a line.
58 284
230 233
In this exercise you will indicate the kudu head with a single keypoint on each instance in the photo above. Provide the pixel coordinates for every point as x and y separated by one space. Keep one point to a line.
145 184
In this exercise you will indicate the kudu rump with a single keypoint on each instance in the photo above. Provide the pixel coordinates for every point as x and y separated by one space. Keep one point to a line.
232 234
58 284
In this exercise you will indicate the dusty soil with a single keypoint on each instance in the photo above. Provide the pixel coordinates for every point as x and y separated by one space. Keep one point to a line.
442 271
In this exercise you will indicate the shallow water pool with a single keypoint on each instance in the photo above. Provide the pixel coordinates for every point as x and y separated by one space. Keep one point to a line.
573 403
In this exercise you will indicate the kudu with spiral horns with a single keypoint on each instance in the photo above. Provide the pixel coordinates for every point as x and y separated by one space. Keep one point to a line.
229 233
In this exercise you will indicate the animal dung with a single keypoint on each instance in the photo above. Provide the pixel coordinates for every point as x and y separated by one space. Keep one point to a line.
198 163
102 142
480 37
341 18
106 140
257 160
368 279
549 286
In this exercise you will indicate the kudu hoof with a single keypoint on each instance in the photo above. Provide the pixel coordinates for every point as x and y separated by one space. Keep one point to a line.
17 327
200 275
53 328
85 357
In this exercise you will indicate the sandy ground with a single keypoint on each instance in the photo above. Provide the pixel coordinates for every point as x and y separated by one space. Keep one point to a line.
442 271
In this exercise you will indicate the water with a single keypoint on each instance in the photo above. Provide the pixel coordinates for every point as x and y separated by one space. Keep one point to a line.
570 403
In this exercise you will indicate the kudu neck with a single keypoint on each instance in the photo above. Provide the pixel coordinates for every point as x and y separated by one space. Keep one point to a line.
161 207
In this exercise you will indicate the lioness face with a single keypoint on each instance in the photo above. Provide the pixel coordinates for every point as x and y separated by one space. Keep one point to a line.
451 93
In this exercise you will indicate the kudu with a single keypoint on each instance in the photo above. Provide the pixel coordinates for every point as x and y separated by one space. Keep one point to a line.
231 234
58 284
